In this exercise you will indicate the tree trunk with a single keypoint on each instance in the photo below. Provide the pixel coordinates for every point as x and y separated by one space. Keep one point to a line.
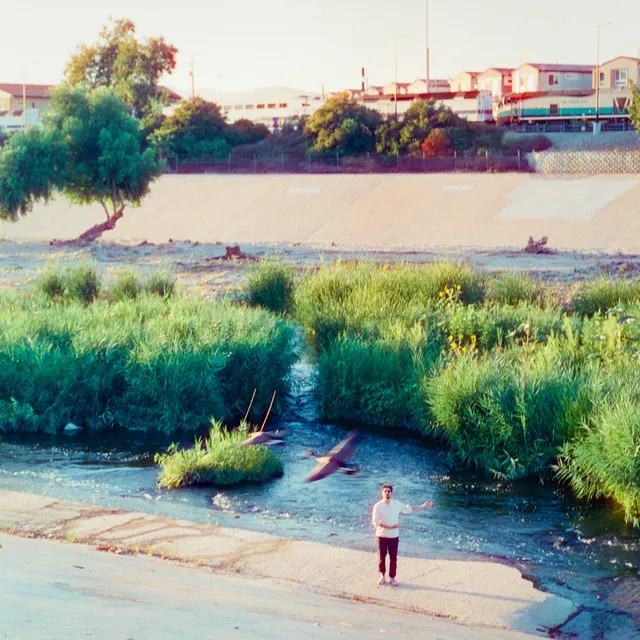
92 234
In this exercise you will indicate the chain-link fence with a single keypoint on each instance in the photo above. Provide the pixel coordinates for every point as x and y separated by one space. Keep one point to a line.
243 162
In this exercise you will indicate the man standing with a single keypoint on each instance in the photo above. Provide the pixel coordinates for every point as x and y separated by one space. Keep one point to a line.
385 518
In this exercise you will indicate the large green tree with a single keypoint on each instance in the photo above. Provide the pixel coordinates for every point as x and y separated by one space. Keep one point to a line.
343 125
89 149
132 68
196 128
404 136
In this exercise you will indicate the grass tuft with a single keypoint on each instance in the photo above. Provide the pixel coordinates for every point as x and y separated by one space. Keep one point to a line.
217 460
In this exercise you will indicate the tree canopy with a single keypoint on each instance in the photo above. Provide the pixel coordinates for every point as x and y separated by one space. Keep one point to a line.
406 135
130 67
196 128
341 124
89 148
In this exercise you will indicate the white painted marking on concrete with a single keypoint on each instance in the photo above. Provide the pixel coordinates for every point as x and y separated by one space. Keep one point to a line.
457 187
577 200
304 190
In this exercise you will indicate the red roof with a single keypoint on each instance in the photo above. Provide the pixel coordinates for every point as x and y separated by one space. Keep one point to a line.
32 90
570 68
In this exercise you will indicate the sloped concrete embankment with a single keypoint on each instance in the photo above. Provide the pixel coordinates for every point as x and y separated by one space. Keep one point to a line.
472 593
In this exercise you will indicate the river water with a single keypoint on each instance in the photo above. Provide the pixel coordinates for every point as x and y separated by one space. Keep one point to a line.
585 553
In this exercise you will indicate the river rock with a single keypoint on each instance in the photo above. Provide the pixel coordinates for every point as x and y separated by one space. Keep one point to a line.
71 428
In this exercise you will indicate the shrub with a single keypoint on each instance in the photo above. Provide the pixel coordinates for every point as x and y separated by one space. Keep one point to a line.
436 144
271 286
51 285
126 287
82 283
217 460
604 294
526 144
513 288
160 283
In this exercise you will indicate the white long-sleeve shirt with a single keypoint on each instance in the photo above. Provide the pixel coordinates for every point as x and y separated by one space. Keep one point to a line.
388 513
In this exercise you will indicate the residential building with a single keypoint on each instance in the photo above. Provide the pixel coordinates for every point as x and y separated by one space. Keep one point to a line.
464 81
16 97
617 73
436 85
496 80
530 78
389 89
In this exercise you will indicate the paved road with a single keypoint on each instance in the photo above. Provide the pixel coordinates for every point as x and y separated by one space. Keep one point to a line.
56 590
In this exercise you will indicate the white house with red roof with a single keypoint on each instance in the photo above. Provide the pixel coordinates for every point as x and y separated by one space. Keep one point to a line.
530 77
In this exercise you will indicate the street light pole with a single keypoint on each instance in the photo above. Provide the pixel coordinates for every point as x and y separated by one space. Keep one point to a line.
395 74
426 12
603 24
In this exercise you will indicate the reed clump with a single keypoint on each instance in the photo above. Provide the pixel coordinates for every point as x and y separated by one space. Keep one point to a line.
217 459
148 363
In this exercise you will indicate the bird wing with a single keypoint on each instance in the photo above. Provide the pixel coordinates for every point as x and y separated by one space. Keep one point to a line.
325 468
345 449
259 437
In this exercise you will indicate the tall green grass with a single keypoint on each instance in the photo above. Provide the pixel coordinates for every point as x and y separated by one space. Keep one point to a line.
271 285
605 293
342 298
603 461
218 460
376 381
505 414
149 363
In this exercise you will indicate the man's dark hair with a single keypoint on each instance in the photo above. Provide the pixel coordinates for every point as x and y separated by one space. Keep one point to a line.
387 486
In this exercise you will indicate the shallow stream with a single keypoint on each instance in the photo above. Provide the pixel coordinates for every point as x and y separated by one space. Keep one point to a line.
585 553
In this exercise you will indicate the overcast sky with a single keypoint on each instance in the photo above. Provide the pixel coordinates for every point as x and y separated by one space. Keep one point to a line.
239 45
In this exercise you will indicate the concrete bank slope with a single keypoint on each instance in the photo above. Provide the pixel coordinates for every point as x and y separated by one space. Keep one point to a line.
472 593
395 211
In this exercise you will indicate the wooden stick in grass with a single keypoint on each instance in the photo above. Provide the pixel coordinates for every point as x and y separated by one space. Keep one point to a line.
246 415
273 397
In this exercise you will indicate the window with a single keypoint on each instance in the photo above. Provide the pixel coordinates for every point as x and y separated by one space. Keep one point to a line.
248 106
260 106
271 105
283 105
553 109
620 77
553 79
239 107
601 78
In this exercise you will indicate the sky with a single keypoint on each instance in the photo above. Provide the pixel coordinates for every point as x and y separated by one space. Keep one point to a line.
241 45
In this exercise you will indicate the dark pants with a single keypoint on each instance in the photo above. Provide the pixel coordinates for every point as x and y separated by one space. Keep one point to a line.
390 546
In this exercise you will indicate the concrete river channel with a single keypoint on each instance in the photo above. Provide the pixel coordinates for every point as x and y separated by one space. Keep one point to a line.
583 552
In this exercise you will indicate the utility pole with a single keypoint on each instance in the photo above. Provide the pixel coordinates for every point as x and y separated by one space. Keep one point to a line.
24 106
427 40
598 77
193 82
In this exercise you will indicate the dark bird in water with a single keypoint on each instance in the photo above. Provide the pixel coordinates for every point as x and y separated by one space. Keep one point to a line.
336 460
264 437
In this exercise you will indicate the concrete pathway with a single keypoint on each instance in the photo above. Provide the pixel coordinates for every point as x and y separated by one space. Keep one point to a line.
476 594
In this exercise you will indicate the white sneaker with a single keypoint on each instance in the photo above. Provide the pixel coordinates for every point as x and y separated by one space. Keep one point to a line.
392 582
381 579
